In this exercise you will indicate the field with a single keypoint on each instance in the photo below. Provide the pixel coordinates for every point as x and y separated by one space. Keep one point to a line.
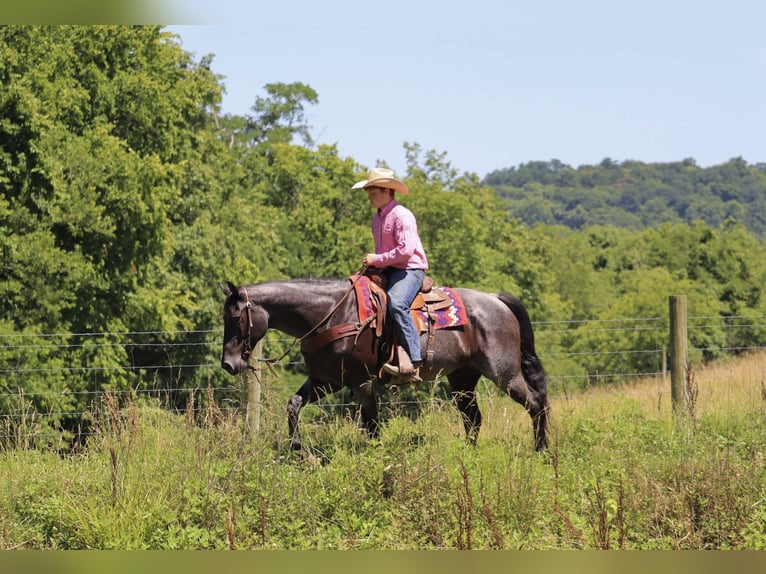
622 472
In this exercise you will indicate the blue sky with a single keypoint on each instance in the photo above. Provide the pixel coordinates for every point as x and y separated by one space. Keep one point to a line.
494 84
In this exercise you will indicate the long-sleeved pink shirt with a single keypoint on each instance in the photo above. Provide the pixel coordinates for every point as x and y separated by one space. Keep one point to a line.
397 243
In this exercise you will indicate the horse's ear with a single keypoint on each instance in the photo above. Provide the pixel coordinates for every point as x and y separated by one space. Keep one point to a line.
228 288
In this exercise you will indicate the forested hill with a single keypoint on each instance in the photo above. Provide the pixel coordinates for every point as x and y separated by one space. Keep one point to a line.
633 194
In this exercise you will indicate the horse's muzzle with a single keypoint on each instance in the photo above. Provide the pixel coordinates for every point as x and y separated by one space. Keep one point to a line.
231 367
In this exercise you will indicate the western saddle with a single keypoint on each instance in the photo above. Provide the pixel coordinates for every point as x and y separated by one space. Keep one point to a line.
429 300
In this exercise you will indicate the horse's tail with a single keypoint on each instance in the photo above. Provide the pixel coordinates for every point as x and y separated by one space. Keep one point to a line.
531 366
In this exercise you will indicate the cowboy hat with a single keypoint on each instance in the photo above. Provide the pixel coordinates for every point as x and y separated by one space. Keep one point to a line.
382 177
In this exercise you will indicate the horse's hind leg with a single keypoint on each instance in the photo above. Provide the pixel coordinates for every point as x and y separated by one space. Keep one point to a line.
540 422
463 390
536 404
312 390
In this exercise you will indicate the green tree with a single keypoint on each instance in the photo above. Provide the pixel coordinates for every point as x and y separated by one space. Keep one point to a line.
634 194
280 115
98 128
324 223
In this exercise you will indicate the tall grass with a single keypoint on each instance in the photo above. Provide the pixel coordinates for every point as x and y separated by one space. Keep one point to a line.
622 472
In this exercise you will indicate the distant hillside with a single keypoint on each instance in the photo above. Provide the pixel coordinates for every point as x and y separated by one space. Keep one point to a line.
633 194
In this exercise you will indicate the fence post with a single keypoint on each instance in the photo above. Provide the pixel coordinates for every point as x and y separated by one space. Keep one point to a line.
678 351
252 380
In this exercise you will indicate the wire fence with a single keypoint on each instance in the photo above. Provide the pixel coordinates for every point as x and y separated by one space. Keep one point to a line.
161 362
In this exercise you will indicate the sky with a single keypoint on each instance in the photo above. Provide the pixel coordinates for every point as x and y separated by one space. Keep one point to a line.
495 84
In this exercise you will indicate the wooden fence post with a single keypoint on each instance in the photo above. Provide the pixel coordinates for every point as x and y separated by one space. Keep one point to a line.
679 356
252 383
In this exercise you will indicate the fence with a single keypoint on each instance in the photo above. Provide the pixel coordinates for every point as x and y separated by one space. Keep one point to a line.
171 352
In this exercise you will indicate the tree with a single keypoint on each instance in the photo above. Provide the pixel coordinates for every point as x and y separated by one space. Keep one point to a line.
634 194
280 116
98 128
323 223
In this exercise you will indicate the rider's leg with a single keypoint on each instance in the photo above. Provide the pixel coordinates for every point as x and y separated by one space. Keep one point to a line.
403 286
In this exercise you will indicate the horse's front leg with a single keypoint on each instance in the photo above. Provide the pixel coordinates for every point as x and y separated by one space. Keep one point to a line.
312 390
364 394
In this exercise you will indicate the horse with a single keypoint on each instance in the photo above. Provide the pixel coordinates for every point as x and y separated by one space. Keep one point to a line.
497 342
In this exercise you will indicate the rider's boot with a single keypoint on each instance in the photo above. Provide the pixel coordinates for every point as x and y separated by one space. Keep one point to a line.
406 371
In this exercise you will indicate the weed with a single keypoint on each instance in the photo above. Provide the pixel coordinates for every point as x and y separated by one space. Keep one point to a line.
619 474
691 393
464 508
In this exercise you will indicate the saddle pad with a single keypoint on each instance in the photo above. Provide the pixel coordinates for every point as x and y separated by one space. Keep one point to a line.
363 297
452 316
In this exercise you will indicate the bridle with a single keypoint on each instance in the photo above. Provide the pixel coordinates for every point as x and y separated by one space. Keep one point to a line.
247 349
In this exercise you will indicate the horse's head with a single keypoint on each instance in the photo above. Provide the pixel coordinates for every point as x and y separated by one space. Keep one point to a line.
244 324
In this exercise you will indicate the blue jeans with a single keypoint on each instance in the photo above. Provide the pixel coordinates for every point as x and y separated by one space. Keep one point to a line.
403 286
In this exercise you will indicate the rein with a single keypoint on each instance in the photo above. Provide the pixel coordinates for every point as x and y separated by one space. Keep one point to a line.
248 348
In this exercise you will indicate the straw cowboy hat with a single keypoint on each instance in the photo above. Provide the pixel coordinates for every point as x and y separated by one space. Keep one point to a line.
381 177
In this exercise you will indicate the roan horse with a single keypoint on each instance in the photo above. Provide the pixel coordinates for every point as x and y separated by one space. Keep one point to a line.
497 342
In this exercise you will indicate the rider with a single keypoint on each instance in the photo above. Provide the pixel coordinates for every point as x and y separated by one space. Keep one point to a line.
400 256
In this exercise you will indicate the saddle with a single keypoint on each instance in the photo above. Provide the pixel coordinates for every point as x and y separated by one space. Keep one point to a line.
432 309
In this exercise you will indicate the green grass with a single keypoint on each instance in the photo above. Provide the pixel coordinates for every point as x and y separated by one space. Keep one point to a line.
621 472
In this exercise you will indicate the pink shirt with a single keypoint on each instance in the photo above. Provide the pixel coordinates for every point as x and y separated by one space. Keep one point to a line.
397 243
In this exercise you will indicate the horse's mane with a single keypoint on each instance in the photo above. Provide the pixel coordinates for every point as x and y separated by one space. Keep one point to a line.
303 281
280 288
315 280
